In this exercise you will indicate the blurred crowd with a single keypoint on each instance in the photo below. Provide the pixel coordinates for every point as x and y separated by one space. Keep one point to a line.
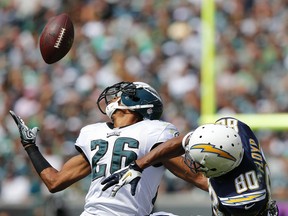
158 42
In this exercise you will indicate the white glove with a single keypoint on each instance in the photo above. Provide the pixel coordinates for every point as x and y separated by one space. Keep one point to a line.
128 175
27 135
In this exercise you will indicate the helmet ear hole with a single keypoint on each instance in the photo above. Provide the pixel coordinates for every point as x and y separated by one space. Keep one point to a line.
145 100
136 99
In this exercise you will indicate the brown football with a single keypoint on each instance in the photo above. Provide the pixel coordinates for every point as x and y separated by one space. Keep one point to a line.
56 38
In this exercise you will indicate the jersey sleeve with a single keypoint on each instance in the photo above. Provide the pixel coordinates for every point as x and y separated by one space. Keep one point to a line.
160 133
168 133
81 141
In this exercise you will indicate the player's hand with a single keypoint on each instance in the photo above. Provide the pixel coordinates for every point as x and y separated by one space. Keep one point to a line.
128 175
273 208
27 135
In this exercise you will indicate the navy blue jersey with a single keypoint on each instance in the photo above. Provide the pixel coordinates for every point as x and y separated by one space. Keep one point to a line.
246 189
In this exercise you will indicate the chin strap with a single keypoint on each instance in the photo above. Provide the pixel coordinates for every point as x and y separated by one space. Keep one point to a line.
111 107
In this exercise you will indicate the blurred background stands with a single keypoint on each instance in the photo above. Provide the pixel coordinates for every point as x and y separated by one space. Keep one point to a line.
158 42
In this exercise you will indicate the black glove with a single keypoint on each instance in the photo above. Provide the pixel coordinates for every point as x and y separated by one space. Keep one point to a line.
273 208
27 135
128 175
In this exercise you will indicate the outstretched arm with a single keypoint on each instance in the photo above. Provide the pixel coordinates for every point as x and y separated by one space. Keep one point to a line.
169 153
178 167
73 170
169 149
164 153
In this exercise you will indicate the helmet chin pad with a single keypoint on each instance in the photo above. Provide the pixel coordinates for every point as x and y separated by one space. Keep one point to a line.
112 107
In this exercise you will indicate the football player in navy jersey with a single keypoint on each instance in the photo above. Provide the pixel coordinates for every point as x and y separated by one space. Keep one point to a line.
135 129
229 154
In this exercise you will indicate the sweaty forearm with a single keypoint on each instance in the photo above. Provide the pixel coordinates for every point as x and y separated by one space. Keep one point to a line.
42 167
178 167
72 171
170 149
37 159
53 180
49 175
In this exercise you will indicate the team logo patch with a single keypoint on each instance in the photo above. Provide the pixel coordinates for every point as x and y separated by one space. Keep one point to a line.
244 199
113 133
212 149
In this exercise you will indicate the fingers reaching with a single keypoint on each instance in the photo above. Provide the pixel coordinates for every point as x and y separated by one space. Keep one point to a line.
27 135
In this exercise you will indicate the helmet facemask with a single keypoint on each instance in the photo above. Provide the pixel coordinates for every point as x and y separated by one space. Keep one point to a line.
193 165
111 93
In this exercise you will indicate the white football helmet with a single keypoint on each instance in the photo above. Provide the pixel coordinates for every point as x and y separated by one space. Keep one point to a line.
213 149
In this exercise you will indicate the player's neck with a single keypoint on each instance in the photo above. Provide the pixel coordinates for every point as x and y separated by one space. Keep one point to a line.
121 119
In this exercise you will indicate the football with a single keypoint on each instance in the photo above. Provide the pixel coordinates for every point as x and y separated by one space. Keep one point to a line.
56 38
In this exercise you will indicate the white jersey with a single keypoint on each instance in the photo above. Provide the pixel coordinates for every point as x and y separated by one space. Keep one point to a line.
109 150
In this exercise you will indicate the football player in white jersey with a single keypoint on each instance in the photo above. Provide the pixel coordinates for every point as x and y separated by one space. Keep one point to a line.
135 129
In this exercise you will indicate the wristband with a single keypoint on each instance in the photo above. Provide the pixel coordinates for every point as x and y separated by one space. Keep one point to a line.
37 159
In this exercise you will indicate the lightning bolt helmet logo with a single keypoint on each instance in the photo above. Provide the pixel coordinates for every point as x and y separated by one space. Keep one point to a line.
209 148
